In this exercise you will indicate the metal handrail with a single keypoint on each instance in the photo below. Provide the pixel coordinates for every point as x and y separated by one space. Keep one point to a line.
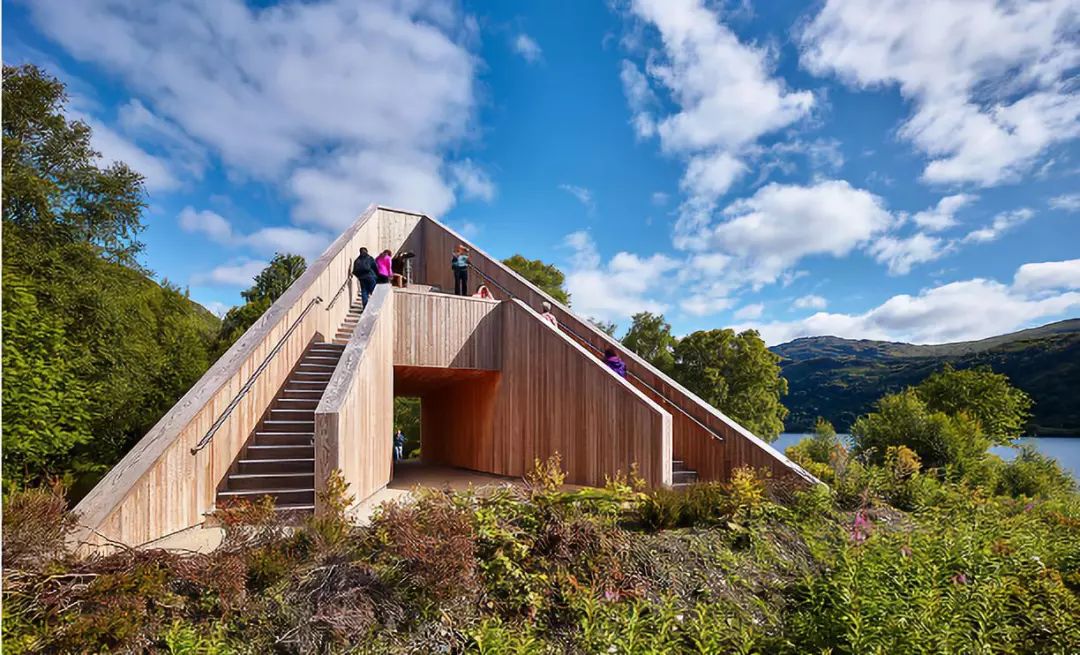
588 343
348 279
251 380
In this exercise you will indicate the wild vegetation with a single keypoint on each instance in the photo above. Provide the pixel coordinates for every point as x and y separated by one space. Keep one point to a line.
971 555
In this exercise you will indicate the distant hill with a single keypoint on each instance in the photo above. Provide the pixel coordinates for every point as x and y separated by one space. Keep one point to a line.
840 379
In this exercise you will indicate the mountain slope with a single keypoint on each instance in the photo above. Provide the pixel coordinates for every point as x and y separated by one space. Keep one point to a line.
840 379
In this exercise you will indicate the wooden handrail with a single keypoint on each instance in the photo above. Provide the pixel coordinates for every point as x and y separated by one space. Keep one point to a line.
251 380
588 343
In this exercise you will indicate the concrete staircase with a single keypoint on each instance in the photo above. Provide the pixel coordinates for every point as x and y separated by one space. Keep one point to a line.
682 477
279 457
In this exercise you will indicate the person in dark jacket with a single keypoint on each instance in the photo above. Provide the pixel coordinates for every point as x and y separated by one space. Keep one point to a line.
614 362
459 264
365 270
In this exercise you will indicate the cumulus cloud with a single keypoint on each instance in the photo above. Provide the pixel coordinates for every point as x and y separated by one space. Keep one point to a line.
472 180
239 273
1069 202
943 215
528 48
782 223
267 240
1042 276
810 301
1003 222
627 284
343 106
988 80
157 173
957 311
900 254
726 94
750 311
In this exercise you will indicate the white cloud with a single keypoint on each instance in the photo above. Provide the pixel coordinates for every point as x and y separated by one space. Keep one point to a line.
343 106
810 301
1002 222
115 147
1069 202
750 311
267 240
900 254
583 195
958 311
626 285
237 274
216 307
780 224
1041 276
988 79
659 198
726 95
528 48
703 304
943 216
472 180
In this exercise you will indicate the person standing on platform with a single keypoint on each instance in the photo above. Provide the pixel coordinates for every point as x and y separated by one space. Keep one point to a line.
615 362
459 263
547 315
384 264
365 270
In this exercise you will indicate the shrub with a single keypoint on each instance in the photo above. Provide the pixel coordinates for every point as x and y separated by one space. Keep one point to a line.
36 523
1033 474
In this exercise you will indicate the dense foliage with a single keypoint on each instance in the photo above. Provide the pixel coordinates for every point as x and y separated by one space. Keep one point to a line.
735 373
94 352
269 284
751 566
650 337
841 378
547 277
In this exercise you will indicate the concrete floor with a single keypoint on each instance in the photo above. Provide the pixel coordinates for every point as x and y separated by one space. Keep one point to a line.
410 474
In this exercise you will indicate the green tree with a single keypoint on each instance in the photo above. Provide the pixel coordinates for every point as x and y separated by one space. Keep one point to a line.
737 374
269 284
53 189
650 337
607 327
549 279
93 350
407 419
1001 409
904 419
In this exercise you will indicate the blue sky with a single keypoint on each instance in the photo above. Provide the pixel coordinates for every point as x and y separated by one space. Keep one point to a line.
892 169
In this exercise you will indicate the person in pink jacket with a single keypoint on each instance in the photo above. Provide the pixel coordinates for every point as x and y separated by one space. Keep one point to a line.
383 267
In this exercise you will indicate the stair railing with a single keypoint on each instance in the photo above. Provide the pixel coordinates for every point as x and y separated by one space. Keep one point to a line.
569 330
330 305
254 376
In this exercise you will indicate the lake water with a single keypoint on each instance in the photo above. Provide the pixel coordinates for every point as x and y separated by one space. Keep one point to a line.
1066 450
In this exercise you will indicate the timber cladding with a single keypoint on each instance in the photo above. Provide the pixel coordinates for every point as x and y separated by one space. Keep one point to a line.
355 418
709 442
447 331
160 486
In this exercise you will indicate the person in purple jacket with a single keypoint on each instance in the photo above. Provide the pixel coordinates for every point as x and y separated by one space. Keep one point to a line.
614 362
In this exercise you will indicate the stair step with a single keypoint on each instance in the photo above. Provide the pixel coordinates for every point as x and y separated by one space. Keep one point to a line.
274 425
284 451
311 385
288 414
284 438
307 365
310 402
280 495
678 465
254 481
684 477
325 360
283 465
